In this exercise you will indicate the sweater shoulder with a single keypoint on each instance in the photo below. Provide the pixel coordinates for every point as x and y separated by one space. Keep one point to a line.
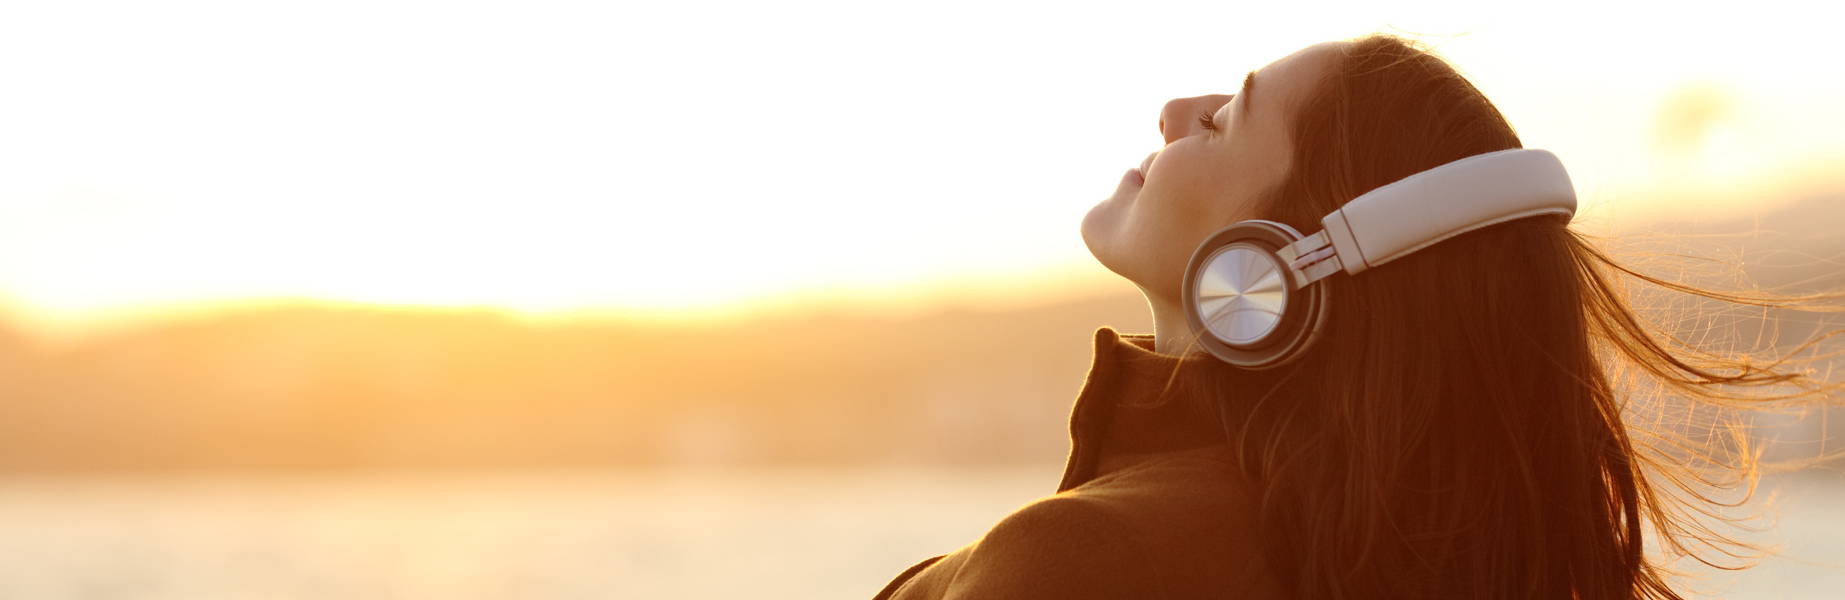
1197 518
1063 546
1188 478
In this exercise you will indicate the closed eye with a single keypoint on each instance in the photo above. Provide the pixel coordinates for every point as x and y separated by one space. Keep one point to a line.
1205 121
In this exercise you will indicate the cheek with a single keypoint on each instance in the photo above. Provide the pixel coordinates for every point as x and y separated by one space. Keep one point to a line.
1167 223
1201 192
1193 191
1190 178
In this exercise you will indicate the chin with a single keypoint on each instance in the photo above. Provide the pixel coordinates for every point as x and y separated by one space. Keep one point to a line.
1099 248
1093 224
1105 213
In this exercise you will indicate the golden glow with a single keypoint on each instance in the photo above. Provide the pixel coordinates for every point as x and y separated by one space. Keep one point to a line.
691 163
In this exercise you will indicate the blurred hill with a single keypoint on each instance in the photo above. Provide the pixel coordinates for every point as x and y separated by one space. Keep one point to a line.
335 387
329 386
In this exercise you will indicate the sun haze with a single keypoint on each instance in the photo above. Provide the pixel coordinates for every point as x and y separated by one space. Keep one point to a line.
683 160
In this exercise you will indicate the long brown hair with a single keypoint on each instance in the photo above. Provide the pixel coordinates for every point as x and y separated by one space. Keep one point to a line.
1459 430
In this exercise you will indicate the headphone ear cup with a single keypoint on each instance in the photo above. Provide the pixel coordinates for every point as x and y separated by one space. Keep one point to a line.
1242 302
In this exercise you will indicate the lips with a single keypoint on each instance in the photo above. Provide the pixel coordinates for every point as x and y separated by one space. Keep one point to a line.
1147 163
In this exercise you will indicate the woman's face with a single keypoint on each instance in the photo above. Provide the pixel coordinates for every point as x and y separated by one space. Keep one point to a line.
1206 177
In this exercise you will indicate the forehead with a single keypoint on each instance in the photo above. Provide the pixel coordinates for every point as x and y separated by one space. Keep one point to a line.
1287 81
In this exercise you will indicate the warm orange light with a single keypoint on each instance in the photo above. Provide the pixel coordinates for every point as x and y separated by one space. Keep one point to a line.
594 163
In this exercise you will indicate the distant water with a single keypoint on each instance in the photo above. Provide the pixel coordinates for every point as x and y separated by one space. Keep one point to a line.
767 533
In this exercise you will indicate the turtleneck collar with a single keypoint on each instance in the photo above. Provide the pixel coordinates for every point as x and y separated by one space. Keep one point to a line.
1108 431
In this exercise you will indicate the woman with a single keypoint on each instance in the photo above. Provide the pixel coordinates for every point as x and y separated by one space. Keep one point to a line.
1455 432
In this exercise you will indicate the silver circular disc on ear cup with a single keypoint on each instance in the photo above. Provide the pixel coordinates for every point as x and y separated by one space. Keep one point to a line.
1241 293
1242 301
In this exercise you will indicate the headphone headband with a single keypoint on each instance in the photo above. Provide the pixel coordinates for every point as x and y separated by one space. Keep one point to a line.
1415 212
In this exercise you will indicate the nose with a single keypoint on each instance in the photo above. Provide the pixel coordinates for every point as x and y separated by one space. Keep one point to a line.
1179 118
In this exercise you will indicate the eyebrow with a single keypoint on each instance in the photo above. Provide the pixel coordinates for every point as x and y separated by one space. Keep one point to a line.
1249 85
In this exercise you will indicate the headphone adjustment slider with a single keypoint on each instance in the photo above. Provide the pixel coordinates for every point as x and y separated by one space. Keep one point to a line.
1311 259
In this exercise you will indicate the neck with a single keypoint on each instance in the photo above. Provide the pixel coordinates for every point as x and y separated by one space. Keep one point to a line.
1170 330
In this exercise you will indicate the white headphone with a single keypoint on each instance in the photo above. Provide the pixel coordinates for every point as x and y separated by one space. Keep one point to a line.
1249 287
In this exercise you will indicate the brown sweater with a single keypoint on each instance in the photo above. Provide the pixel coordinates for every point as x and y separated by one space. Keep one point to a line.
1148 508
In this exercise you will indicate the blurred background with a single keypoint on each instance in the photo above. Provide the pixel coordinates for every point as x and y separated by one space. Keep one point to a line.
396 299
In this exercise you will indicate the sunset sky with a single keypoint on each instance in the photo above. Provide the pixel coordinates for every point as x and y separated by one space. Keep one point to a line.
690 158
